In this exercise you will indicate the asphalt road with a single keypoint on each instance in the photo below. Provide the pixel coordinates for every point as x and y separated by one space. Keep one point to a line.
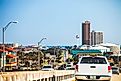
116 77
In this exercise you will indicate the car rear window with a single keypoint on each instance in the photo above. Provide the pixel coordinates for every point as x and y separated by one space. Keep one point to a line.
47 67
93 60
114 68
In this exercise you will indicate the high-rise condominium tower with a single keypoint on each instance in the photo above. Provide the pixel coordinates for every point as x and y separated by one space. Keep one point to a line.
86 33
96 37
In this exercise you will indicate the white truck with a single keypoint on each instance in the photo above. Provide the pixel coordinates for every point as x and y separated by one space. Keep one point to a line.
93 68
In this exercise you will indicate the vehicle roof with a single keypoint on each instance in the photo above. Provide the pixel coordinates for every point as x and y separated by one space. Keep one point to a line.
92 56
47 65
114 67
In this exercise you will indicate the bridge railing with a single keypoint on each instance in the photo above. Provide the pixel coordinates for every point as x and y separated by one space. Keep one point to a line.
56 75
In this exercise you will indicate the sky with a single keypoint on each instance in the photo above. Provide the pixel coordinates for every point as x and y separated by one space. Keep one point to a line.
59 20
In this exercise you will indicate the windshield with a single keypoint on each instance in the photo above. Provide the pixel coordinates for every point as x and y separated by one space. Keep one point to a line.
93 60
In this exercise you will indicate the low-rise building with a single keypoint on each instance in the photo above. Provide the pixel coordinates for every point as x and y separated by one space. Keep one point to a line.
8 58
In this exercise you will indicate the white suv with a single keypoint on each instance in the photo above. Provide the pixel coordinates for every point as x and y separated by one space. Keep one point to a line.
93 68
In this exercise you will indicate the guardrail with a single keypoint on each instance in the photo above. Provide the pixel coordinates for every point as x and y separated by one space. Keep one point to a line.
56 75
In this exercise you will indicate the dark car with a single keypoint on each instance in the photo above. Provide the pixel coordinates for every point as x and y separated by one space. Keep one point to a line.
61 68
115 70
120 69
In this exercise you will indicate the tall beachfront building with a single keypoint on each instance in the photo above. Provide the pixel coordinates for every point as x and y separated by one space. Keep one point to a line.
86 33
96 37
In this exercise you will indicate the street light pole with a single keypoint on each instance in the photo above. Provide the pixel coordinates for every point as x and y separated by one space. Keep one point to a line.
38 51
3 31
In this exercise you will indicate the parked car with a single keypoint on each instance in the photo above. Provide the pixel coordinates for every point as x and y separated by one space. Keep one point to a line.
120 69
47 68
70 67
25 68
115 70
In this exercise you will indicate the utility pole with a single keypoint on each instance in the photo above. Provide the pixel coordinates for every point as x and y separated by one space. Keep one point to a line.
3 37
39 51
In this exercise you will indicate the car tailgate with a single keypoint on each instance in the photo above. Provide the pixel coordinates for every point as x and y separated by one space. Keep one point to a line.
93 69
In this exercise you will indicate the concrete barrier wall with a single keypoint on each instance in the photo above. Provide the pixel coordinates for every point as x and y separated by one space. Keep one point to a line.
56 75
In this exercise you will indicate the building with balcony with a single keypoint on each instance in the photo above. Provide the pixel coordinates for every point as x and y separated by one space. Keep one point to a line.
8 57
96 37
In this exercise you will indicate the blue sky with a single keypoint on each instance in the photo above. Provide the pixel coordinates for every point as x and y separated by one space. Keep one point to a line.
59 20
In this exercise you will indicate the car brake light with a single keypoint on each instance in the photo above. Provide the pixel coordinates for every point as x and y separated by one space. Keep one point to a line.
109 68
76 67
